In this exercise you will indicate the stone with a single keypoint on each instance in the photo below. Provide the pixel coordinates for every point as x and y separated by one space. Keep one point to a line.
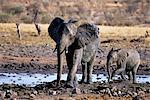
51 92
2 95
76 91
114 89
108 91
141 93
134 94
119 93
115 94
32 95
35 92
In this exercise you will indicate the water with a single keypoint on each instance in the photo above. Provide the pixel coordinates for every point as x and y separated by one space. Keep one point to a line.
34 79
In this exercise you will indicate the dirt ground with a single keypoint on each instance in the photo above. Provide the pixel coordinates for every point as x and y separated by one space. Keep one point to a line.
41 59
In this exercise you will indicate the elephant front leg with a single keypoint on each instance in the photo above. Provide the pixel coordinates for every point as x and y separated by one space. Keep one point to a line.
120 70
72 72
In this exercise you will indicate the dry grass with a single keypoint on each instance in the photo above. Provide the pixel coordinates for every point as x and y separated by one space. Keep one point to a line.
30 37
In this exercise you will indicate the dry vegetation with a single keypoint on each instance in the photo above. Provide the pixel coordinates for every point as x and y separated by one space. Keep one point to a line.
30 36
102 12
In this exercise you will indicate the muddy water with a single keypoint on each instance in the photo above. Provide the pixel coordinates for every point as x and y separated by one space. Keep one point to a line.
34 79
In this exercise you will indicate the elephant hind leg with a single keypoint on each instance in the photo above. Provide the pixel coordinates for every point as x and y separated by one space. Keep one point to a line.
90 69
84 72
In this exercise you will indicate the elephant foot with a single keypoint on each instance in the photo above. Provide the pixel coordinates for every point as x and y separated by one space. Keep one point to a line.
86 82
69 85
134 82
89 82
82 81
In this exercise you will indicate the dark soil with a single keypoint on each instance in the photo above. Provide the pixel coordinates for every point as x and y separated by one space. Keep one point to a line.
41 59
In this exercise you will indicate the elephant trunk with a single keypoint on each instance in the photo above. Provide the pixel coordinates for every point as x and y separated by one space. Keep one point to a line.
60 54
109 70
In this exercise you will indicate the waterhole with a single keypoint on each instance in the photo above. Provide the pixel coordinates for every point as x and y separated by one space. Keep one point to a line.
35 79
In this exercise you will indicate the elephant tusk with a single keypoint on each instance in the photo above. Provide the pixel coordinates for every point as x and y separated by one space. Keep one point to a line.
66 49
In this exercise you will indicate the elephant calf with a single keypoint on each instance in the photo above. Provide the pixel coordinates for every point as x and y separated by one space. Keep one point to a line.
127 62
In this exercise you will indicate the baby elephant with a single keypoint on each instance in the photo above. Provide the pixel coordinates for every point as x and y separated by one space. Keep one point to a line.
127 62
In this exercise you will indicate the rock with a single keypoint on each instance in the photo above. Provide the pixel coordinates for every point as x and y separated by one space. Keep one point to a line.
129 92
2 95
138 98
76 91
148 90
141 93
108 91
114 89
102 91
8 93
35 92
32 95
51 92
119 93
134 94
115 94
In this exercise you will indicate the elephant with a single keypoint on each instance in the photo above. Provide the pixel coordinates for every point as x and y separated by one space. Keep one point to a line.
127 62
78 44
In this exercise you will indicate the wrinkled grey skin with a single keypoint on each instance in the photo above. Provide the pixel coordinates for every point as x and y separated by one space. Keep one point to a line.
127 62
79 44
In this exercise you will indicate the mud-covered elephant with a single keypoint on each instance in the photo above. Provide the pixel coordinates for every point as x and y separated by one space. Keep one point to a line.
127 62
79 44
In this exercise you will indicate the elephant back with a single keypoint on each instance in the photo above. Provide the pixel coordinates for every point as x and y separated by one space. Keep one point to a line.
86 33
55 29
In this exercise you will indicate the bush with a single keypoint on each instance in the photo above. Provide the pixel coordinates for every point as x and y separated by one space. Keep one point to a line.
4 18
45 19
26 19
13 9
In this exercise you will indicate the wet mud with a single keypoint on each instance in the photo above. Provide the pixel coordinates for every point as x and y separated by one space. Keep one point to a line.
41 59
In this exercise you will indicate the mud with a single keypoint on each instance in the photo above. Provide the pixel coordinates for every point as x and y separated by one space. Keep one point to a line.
41 59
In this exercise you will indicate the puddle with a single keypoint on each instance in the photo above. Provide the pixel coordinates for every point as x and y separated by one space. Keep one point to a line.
34 79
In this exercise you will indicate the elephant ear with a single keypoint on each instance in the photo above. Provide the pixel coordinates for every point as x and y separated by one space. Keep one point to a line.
55 29
86 33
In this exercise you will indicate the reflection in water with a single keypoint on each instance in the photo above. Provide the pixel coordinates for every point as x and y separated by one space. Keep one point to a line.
34 79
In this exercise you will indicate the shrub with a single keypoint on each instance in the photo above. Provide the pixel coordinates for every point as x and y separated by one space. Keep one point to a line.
27 19
13 9
4 17
45 19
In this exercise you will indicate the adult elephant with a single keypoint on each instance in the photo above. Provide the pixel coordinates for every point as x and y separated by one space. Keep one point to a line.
79 44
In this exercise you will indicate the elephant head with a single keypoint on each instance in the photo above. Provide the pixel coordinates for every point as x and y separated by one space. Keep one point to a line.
111 60
63 33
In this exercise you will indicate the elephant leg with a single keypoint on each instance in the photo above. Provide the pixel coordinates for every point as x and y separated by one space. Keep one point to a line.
118 71
72 72
84 72
123 76
130 76
90 70
69 60
134 71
